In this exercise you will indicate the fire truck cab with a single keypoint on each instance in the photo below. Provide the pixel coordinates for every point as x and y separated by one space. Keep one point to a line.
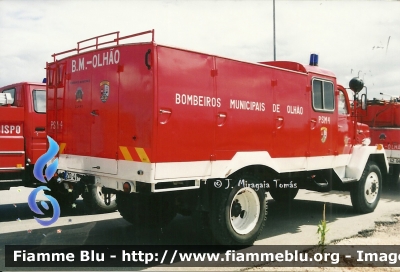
22 132
170 131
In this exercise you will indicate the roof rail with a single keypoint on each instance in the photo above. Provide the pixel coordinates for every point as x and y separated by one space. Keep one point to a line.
97 42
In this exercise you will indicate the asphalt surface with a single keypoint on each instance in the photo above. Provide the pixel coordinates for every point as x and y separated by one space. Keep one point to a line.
287 224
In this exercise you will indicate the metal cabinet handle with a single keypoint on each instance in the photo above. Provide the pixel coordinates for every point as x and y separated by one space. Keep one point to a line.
165 111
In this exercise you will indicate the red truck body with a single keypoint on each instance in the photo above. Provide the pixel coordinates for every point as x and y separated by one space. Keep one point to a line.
143 118
383 117
22 133
119 111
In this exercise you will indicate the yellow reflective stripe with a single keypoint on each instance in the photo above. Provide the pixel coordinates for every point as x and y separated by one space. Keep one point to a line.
62 147
125 153
142 154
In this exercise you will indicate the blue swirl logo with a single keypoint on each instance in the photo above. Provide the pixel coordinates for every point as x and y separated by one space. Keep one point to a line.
44 159
38 174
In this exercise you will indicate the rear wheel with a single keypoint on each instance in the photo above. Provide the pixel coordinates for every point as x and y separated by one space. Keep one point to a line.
366 193
238 215
94 200
146 211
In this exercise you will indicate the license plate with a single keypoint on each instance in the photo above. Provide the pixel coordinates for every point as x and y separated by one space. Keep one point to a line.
70 176
394 160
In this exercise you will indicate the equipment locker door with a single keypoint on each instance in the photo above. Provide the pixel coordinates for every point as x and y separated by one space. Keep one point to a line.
105 84
186 105
244 117
290 112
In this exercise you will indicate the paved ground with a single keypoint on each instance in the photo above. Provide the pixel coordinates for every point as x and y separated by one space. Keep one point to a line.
294 224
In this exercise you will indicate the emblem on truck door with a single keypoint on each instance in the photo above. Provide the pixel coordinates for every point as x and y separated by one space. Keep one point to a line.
79 95
324 134
104 90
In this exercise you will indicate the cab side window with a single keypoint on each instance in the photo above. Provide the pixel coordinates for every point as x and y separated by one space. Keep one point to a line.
323 95
39 101
12 92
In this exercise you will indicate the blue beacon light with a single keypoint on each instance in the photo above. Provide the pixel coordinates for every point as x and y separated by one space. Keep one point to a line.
314 60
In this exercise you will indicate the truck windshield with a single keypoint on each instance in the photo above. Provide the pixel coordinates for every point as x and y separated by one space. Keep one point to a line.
39 101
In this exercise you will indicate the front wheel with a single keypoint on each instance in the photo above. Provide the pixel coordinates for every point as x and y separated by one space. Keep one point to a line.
366 193
238 215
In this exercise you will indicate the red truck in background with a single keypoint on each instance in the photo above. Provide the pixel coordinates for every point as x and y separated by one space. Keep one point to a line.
22 132
170 131
383 117
23 139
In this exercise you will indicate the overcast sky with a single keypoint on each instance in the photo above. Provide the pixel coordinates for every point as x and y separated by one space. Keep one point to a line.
351 37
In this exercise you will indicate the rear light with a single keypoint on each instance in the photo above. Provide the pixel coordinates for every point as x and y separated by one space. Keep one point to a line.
379 147
127 187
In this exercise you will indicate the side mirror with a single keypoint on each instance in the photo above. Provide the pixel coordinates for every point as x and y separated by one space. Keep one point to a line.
364 101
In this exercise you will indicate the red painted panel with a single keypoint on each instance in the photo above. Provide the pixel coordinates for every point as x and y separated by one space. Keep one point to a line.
245 116
290 113
388 137
136 98
187 105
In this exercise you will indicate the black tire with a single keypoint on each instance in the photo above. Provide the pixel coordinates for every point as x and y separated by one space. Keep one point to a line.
365 194
394 177
283 195
64 197
147 211
238 213
94 200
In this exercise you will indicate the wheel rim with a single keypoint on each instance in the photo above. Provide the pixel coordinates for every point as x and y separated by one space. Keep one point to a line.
244 211
100 196
371 187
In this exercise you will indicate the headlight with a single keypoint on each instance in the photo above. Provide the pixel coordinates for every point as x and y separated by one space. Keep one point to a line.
366 141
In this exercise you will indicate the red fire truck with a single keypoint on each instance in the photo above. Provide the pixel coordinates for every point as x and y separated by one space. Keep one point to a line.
22 132
23 140
383 117
173 131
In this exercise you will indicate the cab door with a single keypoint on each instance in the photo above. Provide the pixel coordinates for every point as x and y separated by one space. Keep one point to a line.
345 123
322 123
38 141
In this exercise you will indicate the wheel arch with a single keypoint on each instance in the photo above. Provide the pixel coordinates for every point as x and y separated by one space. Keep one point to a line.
253 162
360 157
381 162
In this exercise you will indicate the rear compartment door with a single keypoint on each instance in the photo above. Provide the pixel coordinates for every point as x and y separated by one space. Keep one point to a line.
104 119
